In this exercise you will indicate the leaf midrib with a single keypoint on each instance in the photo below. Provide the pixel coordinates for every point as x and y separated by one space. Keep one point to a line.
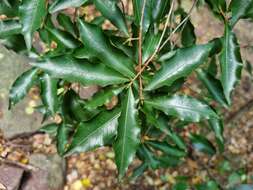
34 15
124 136
180 107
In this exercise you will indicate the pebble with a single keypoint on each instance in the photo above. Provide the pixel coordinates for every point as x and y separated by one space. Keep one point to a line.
77 185
72 176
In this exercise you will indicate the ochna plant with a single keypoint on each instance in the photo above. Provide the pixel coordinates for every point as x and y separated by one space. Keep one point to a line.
140 61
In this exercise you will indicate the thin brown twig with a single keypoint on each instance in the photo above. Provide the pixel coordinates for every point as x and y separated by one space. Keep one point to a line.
140 51
129 40
179 25
76 14
157 47
168 39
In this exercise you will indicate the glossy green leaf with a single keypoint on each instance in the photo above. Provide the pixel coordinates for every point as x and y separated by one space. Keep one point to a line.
9 27
180 65
59 5
70 69
84 53
162 124
66 23
62 138
6 2
99 20
49 93
240 10
139 171
118 42
95 133
178 140
188 35
112 12
75 108
149 45
167 56
147 19
45 36
11 42
231 63
213 86
180 186
64 38
184 107
9 10
210 185
217 5
103 97
22 85
217 47
217 127
50 129
32 14
94 39
166 148
148 157
159 9
200 143
168 161
127 140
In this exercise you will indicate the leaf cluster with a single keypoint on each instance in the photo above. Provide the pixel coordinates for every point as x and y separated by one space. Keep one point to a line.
135 61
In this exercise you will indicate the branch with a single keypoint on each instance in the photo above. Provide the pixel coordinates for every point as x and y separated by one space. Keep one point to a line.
168 39
157 47
140 51
179 25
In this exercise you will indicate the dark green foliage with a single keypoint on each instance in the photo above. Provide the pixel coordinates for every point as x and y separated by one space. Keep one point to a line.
141 106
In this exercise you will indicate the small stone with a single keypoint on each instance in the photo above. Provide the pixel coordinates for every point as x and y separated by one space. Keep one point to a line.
47 140
77 185
72 176
149 180
101 157
24 161
196 180
110 155
57 119
110 165
97 166
171 179
86 182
